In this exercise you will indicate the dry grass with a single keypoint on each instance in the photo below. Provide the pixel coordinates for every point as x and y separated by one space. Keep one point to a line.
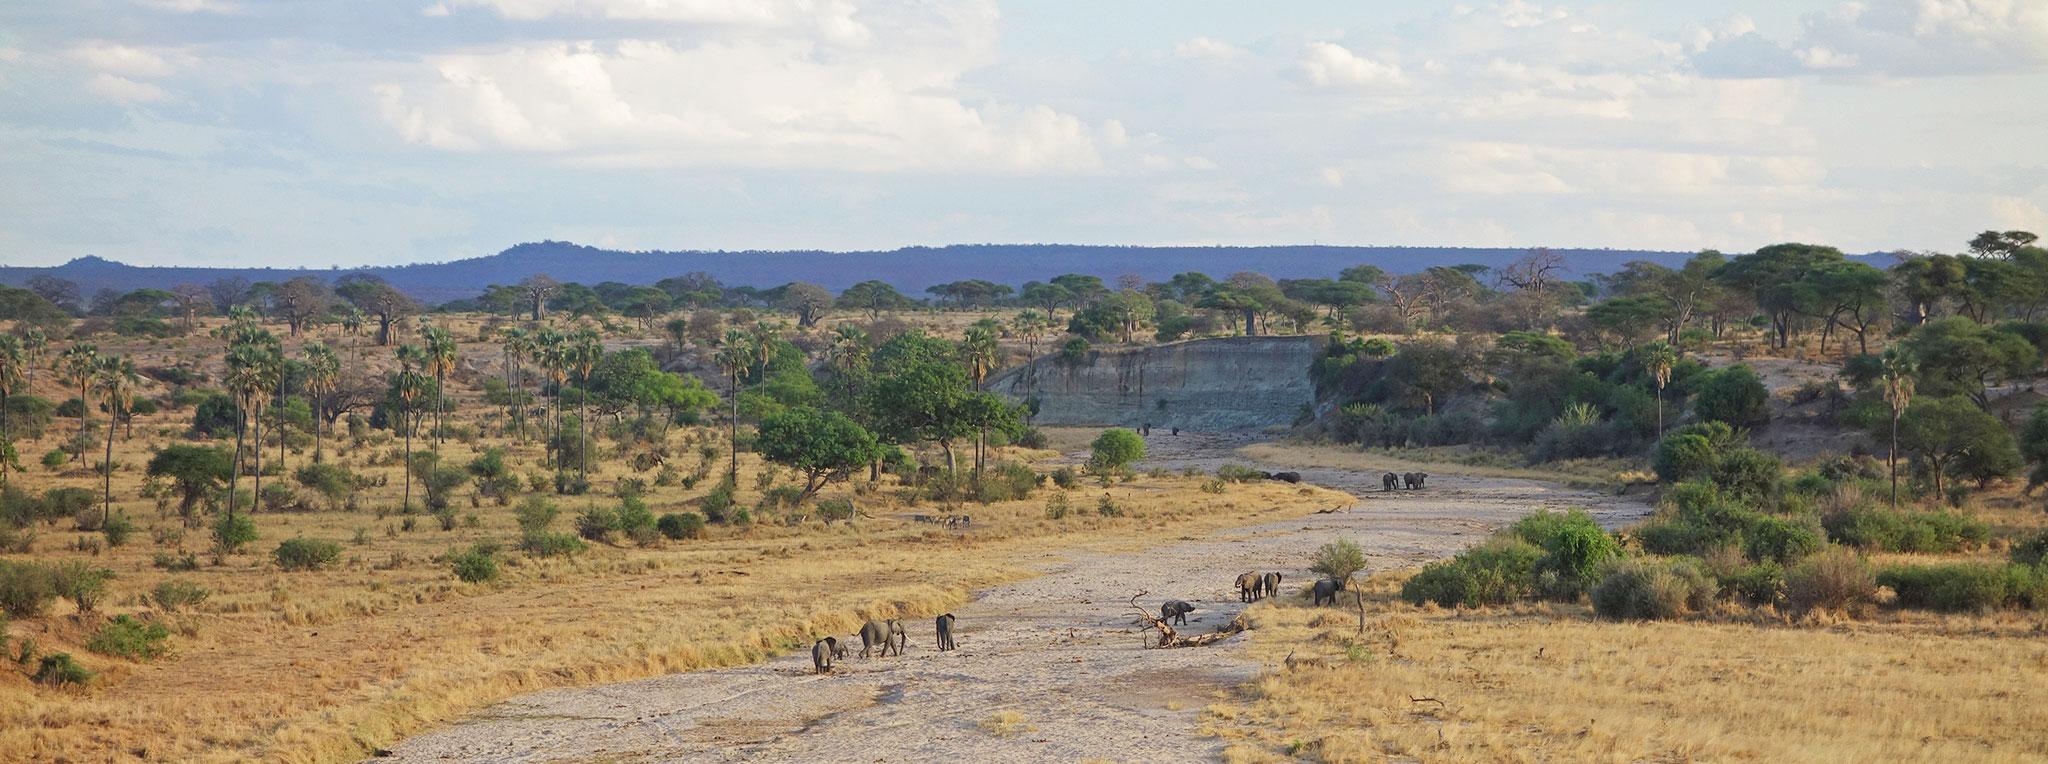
1546 683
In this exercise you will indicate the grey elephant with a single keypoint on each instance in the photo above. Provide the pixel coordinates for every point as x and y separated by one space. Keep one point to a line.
825 653
1175 611
1390 481
1325 591
945 624
1271 585
873 633
1247 587
897 638
1414 479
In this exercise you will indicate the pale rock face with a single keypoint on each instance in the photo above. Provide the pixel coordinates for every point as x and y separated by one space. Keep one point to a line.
1231 383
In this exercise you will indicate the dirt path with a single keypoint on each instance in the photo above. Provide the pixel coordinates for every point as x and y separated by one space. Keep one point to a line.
1058 657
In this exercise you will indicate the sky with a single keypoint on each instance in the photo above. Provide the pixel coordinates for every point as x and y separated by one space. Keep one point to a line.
371 132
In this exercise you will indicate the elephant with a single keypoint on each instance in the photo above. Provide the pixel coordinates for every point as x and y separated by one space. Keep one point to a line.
1247 587
945 624
1325 591
1175 611
825 653
1390 481
1271 584
871 634
1414 479
897 638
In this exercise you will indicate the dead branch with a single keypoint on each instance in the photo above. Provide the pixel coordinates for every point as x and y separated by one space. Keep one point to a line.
1170 638
1413 699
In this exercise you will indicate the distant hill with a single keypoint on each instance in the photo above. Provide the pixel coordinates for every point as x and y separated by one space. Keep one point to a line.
910 269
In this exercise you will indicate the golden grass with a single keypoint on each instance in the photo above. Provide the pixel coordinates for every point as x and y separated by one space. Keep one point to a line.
330 665
1552 683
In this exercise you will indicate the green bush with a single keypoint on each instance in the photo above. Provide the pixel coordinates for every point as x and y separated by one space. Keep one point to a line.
83 584
1237 473
1781 539
1008 481
26 589
1958 587
1835 579
598 524
1338 559
54 459
174 595
636 521
681 525
477 564
1733 395
2032 550
1065 477
1762 583
307 554
60 669
77 503
551 544
232 533
1115 449
1574 546
1495 573
117 530
1748 474
1683 456
1652 589
718 503
1889 530
129 638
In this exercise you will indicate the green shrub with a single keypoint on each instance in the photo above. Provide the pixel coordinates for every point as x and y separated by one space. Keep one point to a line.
1065 477
1115 449
1006 482
718 504
1748 474
174 595
1338 559
1952 587
1237 473
1889 530
176 564
1683 456
828 510
129 638
232 533
1781 539
26 589
55 459
1056 506
1652 589
1574 546
1762 583
2032 550
1835 579
535 515
681 525
77 503
1733 395
477 564
1495 573
60 669
636 521
551 544
307 554
598 524
117 529
83 584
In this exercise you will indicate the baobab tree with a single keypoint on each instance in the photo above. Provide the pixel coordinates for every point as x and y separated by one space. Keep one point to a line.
538 288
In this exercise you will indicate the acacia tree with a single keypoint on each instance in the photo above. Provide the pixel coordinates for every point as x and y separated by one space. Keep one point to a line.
873 297
1952 436
197 471
824 446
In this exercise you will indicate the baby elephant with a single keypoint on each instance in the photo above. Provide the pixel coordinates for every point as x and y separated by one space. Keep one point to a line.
1325 591
825 653
1175 611
946 632
1390 481
1414 479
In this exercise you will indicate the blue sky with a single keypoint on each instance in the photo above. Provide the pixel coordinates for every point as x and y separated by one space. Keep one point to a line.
295 132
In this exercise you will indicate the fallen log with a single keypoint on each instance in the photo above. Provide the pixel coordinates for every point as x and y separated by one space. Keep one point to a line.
1170 638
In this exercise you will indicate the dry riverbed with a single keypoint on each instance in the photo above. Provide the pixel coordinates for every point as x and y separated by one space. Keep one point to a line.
1053 668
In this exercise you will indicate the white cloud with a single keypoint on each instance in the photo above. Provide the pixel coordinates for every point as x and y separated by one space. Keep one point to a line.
833 19
122 59
1209 48
1331 176
766 98
1326 64
1899 38
437 10
124 90
222 7
2013 213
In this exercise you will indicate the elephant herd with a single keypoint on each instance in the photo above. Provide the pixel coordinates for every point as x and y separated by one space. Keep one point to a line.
889 635
1409 480
1252 587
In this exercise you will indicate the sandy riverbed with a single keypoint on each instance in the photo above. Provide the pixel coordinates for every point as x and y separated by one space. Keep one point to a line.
1059 656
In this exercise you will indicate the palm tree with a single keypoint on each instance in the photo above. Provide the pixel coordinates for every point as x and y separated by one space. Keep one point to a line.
1029 325
248 376
411 386
352 326
34 343
116 380
516 343
584 352
12 359
78 365
1895 372
1660 359
442 354
323 374
979 351
735 356
551 352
